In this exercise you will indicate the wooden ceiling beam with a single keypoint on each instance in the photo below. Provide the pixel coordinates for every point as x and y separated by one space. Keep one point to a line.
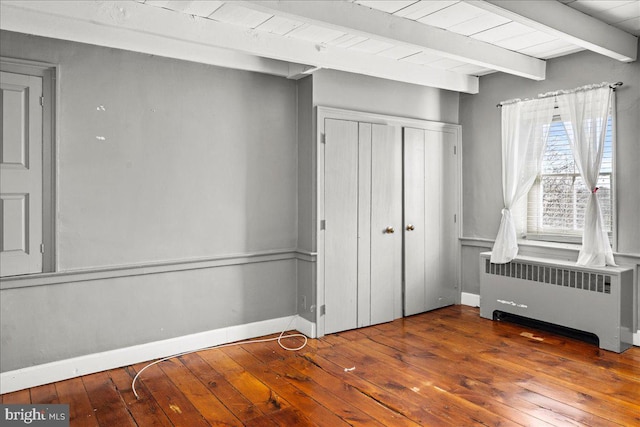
112 24
144 28
360 20
568 24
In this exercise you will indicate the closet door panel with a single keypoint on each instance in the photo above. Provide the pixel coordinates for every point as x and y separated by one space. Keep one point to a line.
449 228
386 217
364 225
341 216
414 218
430 204
440 211
434 219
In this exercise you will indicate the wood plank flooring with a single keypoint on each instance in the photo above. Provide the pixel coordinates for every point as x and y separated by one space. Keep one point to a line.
448 367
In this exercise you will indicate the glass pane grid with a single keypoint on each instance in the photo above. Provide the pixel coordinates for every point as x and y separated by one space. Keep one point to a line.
558 200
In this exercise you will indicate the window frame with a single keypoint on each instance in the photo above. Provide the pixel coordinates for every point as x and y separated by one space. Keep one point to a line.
547 235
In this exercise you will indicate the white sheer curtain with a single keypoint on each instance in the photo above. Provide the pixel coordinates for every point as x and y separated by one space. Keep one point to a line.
525 126
585 113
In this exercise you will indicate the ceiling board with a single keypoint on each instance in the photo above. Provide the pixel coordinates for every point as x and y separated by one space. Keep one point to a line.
421 58
502 32
315 33
347 40
389 6
202 8
478 24
279 25
551 47
371 46
446 64
400 51
231 13
524 41
455 14
157 3
421 9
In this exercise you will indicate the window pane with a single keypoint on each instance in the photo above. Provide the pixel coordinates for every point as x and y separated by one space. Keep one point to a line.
558 199
557 156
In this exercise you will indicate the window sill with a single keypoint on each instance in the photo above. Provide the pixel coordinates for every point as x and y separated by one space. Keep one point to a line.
551 245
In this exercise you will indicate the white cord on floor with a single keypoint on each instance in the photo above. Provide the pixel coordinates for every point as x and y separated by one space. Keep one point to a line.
279 339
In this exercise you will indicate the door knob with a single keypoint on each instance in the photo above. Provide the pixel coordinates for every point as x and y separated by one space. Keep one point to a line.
410 227
389 230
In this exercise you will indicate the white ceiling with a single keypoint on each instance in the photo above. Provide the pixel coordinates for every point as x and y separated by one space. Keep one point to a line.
624 15
439 43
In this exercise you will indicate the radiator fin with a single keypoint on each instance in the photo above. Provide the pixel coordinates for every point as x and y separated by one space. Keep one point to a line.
567 277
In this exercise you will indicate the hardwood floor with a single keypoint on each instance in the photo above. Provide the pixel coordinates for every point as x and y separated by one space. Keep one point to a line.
448 367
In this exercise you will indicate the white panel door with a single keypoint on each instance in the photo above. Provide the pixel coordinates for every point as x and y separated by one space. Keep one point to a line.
341 230
21 174
449 195
430 220
386 223
414 221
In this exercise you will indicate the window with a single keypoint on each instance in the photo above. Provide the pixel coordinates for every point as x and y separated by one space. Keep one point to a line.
557 200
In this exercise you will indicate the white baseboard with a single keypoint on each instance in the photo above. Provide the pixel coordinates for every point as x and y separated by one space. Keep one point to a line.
636 339
83 365
306 327
470 299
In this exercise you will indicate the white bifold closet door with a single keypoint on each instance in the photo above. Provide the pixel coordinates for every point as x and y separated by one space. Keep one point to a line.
363 221
430 215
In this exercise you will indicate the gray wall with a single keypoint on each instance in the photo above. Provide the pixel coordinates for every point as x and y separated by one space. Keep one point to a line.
373 95
480 120
198 163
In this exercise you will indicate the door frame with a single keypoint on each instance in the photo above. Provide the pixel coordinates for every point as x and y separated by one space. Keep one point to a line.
49 74
323 113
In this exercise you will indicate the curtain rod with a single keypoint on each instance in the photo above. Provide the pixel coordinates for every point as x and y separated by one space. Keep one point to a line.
612 86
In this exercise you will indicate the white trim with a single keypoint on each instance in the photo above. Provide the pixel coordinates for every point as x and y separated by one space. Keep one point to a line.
84 365
306 327
472 300
84 275
482 242
636 339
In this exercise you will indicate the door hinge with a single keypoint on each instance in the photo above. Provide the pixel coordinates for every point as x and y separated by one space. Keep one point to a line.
455 150
323 310
323 224
42 101
323 138
455 218
41 248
